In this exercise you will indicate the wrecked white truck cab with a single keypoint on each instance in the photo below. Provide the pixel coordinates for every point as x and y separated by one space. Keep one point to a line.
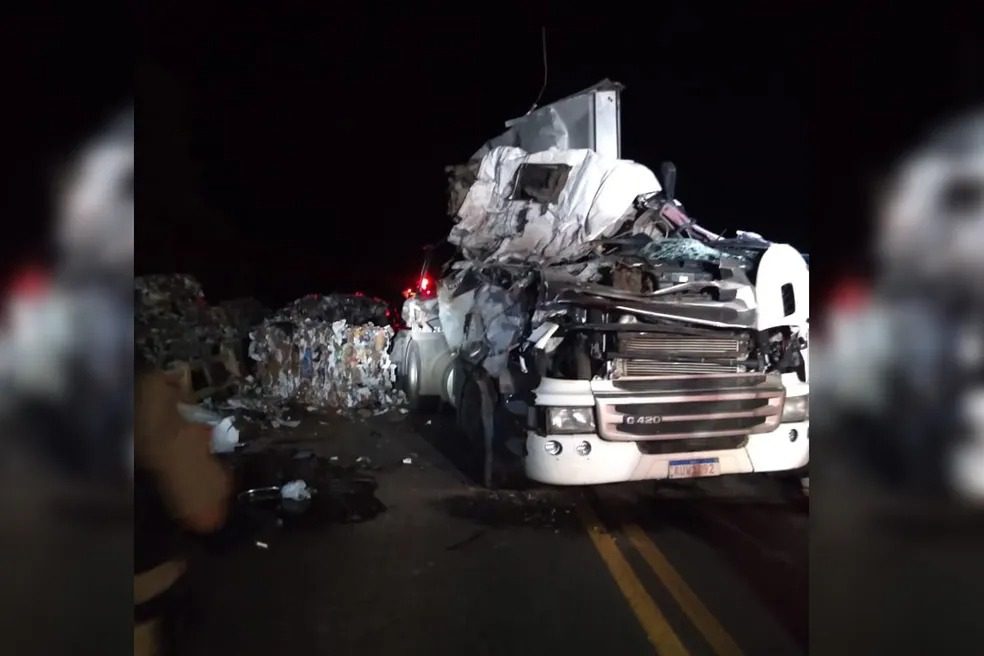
679 392
590 317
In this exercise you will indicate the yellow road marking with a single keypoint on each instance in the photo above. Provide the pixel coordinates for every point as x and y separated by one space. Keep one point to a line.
657 628
716 635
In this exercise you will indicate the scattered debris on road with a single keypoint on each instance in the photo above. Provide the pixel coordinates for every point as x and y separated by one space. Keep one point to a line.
295 490
255 410
286 489
500 508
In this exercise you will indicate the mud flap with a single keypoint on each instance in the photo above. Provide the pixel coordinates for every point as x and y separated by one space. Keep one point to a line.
488 428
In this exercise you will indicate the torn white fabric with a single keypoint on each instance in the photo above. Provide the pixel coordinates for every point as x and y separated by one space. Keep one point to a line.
594 201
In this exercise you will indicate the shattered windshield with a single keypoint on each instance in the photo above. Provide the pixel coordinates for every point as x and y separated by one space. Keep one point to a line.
675 249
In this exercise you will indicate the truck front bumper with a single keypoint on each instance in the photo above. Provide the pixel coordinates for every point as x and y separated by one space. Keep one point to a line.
613 462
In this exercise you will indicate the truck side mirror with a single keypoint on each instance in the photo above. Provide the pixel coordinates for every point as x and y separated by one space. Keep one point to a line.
668 175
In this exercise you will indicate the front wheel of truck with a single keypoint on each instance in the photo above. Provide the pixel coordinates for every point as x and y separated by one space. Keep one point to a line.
469 412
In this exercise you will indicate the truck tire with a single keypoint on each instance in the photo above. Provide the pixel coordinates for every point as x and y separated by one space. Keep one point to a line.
411 382
469 412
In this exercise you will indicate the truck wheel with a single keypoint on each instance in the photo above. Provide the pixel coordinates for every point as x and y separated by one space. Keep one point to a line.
411 382
470 413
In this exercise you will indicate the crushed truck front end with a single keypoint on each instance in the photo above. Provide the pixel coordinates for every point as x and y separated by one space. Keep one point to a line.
649 385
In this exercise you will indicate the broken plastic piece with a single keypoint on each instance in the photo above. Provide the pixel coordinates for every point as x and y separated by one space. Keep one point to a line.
225 436
295 491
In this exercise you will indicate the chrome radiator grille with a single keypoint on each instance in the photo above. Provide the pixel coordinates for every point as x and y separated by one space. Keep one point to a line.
638 367
670 408
656 354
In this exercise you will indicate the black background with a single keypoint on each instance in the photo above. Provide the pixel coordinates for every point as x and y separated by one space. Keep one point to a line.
287 151
283 152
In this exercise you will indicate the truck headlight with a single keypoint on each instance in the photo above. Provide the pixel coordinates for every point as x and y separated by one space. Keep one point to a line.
796 408
570 420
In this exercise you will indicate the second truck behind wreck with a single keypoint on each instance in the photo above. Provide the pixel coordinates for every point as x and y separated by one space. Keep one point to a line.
590 322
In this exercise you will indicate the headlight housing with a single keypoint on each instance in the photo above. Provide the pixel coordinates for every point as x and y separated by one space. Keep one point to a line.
570 420
796 408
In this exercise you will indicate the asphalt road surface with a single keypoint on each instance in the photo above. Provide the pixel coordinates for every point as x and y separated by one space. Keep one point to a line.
717 566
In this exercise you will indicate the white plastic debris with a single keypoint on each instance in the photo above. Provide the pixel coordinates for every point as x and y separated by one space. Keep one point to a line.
225 436
408 461
262 545
429 422
295 491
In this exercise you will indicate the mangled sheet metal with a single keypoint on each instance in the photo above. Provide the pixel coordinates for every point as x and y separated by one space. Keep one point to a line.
498 321
555 234
586 119
327 351
548 206
574 253
421 314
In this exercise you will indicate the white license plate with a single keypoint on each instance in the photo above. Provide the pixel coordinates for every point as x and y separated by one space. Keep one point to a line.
694 468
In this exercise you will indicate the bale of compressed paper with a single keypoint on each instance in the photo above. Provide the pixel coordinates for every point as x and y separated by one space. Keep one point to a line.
312 352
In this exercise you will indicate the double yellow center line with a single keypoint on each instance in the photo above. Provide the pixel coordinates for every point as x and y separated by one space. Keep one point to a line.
658 629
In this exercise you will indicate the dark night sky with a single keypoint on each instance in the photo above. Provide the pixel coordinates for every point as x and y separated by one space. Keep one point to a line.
286 152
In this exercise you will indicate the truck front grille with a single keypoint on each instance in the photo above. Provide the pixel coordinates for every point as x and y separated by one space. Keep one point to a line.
660 354
679 407
627 367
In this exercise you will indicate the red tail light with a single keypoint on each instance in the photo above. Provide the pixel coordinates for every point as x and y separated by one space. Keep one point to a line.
425 286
